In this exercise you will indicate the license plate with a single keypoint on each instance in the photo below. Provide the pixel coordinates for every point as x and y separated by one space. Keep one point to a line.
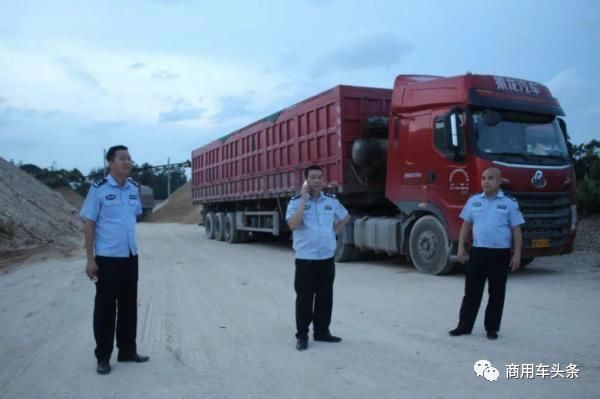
540 243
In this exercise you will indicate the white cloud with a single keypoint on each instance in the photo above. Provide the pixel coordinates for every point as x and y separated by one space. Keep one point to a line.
362 51
566 85
114 85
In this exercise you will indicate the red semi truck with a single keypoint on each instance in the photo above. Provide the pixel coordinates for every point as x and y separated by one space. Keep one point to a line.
402 161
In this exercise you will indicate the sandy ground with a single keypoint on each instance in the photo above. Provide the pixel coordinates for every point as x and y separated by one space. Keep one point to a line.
217 321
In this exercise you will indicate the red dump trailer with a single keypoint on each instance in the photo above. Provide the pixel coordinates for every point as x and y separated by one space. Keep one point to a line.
402 161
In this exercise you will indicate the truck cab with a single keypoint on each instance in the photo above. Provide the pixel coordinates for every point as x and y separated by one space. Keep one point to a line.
444 132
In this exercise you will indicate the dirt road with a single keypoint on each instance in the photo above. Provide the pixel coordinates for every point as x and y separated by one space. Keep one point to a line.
217 321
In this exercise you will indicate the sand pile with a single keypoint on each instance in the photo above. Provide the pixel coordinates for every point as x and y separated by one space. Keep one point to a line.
177 209
71 196
33 216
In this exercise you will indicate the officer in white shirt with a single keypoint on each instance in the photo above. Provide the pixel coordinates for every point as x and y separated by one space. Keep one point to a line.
109 213
315 218
495 221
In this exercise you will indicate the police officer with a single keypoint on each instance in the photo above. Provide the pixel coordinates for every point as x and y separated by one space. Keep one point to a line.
315 218
109 213
495 220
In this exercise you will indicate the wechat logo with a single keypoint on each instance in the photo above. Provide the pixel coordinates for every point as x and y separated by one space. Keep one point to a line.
484 368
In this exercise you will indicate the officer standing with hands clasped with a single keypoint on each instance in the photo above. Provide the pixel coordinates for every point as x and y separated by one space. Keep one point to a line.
315 218
109 213
495 220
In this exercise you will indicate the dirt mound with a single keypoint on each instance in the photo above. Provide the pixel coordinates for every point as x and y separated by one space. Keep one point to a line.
33 216
177 209
194 217
71 196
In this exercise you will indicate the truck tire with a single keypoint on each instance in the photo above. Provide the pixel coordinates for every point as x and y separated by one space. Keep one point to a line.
230 232
219 230
209 225
428 246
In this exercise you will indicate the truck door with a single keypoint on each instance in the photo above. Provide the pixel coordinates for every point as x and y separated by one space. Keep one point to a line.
448 179
406 183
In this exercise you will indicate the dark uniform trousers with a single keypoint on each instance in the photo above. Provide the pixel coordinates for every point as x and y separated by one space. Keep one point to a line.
313 283
489 264
116 298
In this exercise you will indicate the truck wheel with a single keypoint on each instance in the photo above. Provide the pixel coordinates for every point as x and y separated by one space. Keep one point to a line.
230 232
219 230
209 226
428 246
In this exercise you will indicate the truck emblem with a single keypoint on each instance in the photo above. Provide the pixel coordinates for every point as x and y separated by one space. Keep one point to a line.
538 180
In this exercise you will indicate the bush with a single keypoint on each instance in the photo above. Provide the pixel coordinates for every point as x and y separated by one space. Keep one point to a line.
588 196
587 171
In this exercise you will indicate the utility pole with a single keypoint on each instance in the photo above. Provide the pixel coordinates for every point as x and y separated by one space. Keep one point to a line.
104 162
168 177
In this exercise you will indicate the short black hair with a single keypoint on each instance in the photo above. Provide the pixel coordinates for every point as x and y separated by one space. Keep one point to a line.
312 167
112 152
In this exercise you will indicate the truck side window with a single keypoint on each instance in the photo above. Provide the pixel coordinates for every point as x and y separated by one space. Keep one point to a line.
443 139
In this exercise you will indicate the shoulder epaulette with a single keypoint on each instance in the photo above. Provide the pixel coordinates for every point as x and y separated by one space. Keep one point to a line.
330 195
295 197
132 181
510 197
99 183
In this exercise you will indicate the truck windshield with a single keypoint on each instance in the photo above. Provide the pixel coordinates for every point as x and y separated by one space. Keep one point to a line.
519 138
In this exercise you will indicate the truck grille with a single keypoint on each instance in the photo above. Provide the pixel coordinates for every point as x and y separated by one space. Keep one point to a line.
547 217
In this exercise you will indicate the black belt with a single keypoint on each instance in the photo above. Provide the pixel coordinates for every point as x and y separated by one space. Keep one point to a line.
316 261
486 249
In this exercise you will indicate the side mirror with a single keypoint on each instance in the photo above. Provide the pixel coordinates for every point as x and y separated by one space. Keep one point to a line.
563 129
454 127
453 130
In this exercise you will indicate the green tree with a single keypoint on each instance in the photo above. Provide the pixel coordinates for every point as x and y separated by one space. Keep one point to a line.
587 171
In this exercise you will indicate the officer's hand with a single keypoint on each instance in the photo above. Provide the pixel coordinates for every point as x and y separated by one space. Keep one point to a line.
462 255
515 262
91 269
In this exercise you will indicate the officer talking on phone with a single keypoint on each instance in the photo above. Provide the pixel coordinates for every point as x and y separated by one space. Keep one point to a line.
314 217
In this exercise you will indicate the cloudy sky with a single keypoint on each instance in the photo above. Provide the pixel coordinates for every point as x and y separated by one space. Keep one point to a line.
167 76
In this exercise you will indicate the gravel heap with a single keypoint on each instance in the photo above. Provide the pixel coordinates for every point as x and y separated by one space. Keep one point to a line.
177 209
33 216
588 234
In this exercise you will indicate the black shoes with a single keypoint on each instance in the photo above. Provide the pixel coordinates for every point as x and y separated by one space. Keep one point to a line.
327 338
302 343
458 331
134 358
103 367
